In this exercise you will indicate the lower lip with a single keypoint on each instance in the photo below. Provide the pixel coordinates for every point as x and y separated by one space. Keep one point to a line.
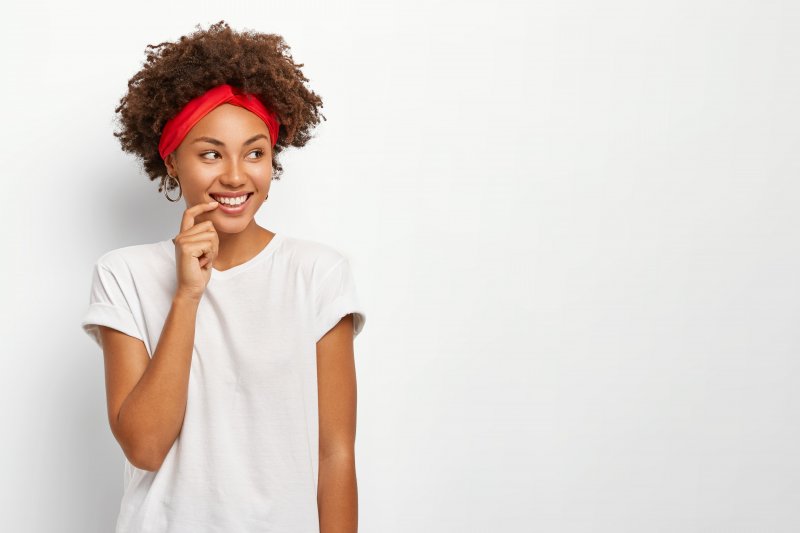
231 210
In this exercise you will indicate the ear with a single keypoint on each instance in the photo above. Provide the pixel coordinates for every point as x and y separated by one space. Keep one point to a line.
169 162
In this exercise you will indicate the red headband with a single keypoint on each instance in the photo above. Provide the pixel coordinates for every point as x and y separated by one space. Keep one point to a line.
178 126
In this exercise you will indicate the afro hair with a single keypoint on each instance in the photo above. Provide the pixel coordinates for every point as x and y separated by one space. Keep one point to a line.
176 72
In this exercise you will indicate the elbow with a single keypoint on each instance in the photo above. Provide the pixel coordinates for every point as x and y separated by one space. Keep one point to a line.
143 451
145 460
143 456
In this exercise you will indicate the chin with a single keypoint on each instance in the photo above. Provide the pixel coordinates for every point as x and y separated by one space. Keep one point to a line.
224 224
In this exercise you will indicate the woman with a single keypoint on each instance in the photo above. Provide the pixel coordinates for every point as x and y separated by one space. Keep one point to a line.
228 348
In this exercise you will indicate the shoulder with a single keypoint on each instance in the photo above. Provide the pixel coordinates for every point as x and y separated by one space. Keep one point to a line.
313 258
127 258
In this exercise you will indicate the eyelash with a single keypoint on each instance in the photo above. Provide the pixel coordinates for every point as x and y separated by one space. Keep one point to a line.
261 152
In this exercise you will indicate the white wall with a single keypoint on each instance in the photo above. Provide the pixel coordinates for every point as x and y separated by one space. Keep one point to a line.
574 225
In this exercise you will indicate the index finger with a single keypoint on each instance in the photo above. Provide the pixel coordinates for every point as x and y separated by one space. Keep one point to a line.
189 215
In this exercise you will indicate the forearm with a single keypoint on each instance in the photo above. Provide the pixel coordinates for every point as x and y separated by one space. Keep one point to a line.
337 495
152 415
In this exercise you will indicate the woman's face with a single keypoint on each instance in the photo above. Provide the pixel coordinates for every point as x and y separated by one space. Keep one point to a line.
228 151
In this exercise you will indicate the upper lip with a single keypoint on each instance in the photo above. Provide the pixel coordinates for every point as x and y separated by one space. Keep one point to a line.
230 194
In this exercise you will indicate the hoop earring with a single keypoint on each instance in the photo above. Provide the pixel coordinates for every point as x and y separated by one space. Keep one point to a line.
175 179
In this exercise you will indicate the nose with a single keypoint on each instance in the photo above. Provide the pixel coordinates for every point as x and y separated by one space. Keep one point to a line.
233 174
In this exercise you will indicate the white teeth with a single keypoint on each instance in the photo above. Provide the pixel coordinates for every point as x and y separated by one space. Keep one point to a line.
231 201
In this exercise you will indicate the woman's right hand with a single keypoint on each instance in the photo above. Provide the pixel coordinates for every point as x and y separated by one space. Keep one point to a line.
196 247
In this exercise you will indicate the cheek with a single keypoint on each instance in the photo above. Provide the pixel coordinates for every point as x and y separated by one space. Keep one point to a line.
264 170
262 180
196 187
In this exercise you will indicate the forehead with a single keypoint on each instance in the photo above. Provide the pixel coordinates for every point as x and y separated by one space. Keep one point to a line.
228 120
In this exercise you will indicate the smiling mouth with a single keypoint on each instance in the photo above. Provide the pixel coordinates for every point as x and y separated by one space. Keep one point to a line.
233 203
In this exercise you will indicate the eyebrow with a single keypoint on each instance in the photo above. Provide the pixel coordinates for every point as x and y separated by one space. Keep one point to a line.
212 140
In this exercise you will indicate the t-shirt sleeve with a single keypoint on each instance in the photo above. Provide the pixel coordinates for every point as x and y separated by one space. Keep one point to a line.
336 298
108 306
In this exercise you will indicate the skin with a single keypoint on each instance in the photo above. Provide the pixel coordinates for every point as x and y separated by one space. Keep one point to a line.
204 166
147 397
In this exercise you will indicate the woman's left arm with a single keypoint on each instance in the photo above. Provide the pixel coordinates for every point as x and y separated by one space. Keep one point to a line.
337 492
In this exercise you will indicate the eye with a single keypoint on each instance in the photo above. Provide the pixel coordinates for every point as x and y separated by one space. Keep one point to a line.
259 152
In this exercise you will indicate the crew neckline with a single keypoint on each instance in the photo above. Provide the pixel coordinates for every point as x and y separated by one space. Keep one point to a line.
169 246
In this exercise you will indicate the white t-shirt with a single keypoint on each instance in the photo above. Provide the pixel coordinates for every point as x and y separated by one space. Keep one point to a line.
247 456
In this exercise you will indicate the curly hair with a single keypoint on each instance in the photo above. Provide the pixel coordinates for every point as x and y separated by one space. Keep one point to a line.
176 72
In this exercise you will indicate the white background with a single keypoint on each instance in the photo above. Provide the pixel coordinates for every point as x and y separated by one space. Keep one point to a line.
573 224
